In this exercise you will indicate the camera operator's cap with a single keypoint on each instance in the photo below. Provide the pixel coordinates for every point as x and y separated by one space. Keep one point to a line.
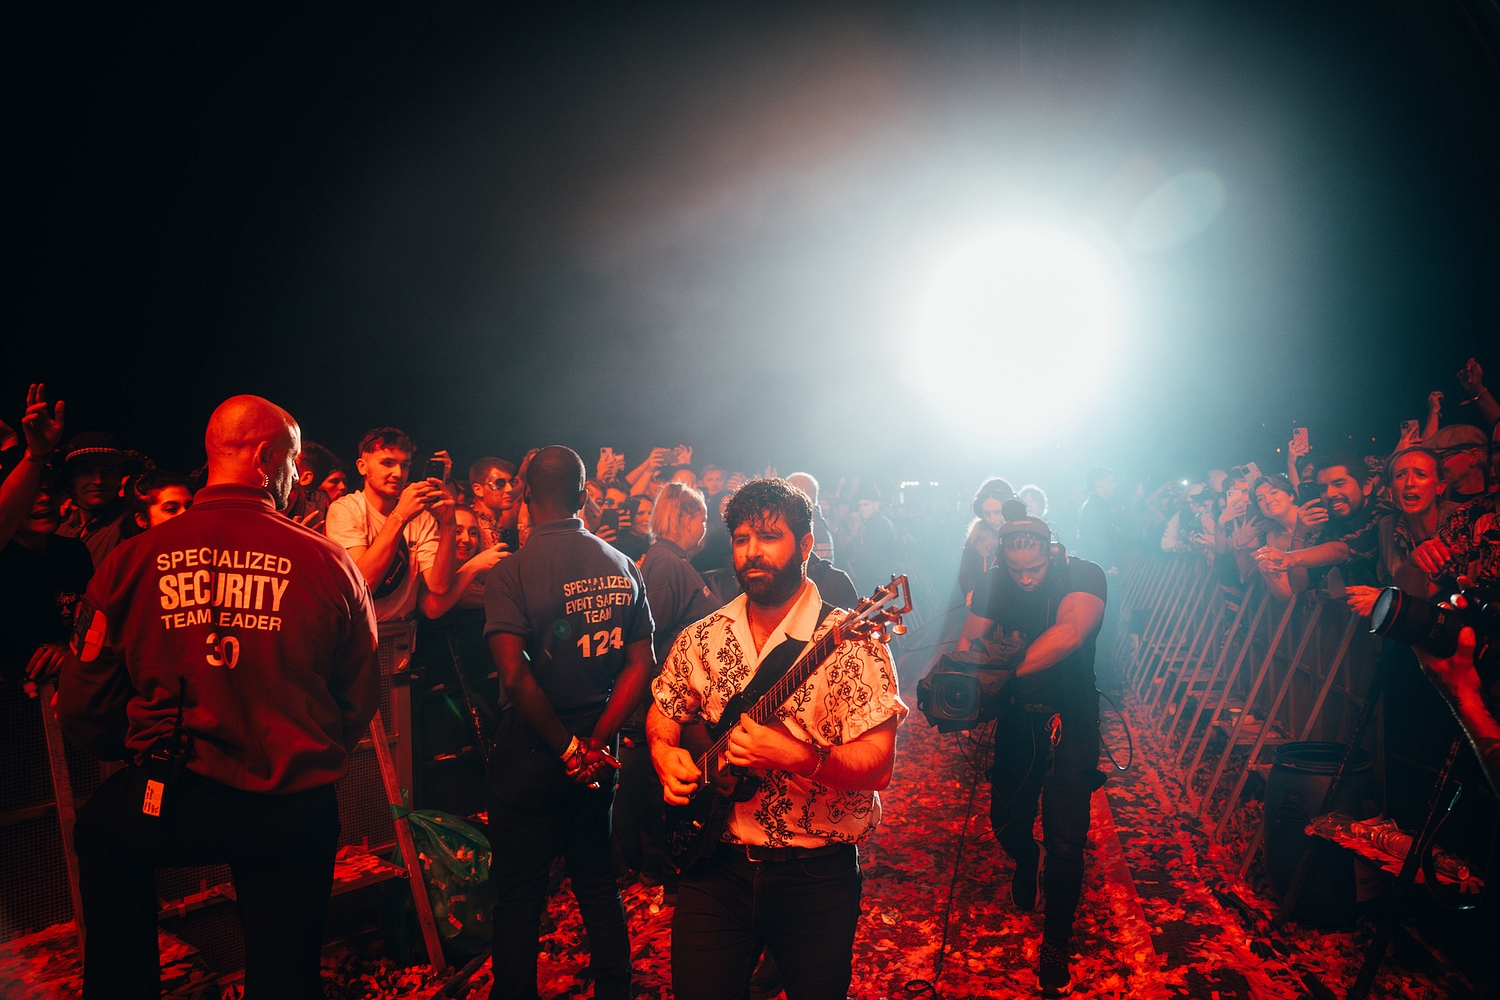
96 448
1457 436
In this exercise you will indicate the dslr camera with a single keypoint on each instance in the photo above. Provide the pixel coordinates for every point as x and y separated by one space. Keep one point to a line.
1435 627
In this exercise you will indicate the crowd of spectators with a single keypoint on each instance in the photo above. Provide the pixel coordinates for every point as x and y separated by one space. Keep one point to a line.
1421 518
1347 526
424 532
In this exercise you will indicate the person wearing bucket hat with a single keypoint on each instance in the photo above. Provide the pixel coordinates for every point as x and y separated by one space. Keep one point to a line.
93 472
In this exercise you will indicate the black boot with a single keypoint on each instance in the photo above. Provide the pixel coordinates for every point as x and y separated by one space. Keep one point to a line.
1052 974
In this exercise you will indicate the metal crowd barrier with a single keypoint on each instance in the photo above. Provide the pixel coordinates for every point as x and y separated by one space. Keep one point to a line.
1227 672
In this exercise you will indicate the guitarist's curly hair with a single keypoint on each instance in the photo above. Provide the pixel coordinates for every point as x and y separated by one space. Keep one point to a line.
760 500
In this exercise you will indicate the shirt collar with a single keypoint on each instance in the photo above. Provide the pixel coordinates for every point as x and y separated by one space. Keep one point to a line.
560 525
671 547
799 623
233 492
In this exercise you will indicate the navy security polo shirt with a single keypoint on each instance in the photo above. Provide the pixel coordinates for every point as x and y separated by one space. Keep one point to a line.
578 601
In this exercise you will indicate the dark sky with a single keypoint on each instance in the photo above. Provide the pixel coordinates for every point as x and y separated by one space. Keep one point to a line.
644 224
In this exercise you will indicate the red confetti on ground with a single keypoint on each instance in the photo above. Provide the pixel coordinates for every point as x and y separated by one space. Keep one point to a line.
1164 912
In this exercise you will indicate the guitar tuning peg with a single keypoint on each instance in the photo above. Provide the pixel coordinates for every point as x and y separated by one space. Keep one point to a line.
883 637
898 628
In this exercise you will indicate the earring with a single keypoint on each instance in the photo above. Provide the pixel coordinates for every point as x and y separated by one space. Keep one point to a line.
265 481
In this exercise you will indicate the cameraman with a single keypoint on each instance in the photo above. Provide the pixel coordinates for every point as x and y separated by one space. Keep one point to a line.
1047 736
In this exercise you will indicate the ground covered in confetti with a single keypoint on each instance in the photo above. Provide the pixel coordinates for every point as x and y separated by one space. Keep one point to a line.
1165 913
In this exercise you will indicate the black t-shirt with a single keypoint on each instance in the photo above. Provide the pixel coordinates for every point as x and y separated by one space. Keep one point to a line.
39 592
718 547
579 602
679 597
1001 600
1360 531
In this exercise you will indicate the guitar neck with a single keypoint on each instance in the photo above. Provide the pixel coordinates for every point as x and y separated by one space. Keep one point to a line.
764 710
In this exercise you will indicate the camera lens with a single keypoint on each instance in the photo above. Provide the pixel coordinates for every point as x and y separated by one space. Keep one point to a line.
1416 622
955 696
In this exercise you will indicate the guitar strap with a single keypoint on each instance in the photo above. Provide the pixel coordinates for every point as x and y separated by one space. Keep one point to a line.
780 660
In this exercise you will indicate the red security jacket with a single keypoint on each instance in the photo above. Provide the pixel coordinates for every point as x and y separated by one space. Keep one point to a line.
269 623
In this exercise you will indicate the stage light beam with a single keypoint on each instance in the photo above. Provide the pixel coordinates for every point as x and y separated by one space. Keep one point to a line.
1019 328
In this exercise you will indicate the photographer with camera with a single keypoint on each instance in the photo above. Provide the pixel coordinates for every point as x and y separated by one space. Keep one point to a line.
1047 734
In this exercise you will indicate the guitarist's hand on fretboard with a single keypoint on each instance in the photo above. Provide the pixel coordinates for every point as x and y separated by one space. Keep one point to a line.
768 748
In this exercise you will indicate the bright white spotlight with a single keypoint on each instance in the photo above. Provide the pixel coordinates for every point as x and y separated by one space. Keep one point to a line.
1018 329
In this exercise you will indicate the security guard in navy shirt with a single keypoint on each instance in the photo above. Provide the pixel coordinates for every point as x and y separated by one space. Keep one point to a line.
570 630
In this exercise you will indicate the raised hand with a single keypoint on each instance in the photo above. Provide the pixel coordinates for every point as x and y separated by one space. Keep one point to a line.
42 425
1471 377
1312 514
485 559
416 498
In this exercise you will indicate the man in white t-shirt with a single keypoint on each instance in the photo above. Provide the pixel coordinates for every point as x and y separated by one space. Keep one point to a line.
396 531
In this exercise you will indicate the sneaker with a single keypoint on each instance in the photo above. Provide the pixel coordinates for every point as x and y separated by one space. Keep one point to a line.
1023 885
1052 974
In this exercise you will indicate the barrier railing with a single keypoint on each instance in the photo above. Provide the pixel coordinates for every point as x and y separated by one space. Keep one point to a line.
1227 672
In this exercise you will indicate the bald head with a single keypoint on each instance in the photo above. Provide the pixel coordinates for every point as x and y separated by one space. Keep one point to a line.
554 483
253 442
806 483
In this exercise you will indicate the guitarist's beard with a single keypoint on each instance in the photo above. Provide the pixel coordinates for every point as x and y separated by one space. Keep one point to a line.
776 589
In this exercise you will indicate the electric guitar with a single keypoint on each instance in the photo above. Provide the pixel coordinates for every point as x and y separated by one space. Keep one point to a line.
694 830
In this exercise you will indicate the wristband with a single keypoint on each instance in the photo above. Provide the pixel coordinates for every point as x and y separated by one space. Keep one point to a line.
575 746
822 754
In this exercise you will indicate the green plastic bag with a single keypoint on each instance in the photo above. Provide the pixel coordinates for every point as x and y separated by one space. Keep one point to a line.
456 865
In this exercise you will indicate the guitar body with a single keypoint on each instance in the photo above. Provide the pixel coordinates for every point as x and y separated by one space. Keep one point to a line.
694 830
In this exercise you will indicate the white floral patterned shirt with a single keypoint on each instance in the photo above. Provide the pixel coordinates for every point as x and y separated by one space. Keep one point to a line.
854 691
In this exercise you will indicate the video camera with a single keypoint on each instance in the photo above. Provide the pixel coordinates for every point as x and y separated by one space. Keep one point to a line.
964 690
1435 627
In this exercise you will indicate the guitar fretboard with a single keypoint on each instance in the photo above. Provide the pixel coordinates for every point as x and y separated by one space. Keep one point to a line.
764 710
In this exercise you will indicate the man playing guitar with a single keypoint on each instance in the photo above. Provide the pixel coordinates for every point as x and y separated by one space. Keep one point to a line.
785 874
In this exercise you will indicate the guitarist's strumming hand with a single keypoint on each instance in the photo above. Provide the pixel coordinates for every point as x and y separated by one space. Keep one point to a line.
768 748
679 775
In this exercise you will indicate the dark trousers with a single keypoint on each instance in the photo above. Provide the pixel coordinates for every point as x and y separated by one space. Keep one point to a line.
640 817
536 813
803 912
279 849
1027 765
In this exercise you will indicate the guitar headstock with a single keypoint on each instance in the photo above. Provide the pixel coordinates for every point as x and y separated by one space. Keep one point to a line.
879 616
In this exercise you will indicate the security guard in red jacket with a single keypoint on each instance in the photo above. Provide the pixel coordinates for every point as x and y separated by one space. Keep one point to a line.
229 656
